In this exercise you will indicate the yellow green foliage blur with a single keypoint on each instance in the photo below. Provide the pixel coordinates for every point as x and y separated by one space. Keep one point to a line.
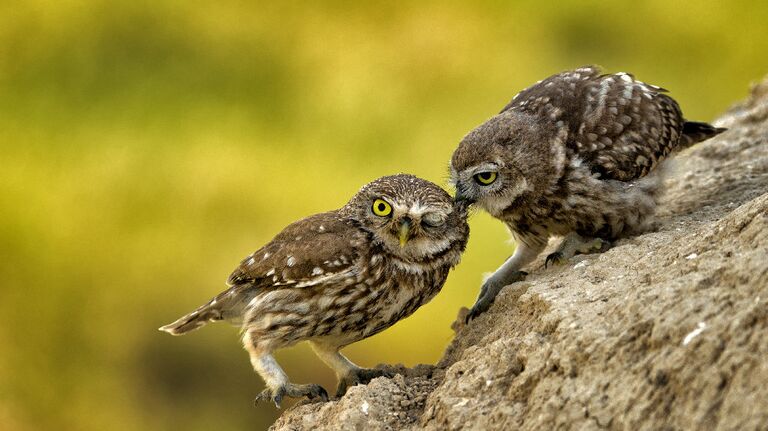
147 146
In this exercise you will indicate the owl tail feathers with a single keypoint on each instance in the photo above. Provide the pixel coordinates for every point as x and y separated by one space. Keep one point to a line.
194 320
694 132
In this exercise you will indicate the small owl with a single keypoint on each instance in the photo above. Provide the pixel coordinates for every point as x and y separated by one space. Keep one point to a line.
571 156
338 277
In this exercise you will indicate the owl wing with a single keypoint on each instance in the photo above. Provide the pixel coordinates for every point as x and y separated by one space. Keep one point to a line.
552 96
318 249
619 126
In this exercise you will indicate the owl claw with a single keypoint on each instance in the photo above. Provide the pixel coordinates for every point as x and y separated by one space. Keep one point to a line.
475 311
317 391
276 396
556 258
483 303
311 391
489 291
600 245
360 376
574 244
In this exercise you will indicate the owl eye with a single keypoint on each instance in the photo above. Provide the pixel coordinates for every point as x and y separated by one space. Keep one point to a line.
485 178
381 208
433 219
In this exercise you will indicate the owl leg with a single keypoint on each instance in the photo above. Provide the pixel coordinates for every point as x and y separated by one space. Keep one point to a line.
507 274
277 382
574 244
346 371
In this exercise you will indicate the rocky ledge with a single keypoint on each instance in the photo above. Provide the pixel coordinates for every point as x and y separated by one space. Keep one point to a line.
668 330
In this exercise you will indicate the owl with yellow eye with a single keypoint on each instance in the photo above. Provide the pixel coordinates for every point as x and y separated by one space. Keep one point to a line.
338 277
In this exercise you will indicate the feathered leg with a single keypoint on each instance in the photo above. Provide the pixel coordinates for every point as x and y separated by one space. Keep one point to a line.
573 244
346 371
508 273
275 378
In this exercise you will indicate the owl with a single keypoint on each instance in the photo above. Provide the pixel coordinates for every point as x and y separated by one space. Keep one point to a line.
338 277
572 156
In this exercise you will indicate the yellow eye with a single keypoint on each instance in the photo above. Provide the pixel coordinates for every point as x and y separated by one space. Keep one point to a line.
381 208
485 178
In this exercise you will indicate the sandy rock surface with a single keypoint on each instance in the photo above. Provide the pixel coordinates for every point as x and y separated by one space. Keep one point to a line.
667 330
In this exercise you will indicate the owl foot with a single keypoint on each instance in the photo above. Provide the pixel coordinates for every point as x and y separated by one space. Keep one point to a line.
292 390
597 245
555 258
488 293
574 244
359 376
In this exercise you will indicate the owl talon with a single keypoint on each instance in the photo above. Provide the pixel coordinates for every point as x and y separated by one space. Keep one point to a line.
574 244
600 245
268 394
480 307
556 258
317 391
360 376
311 391
488 293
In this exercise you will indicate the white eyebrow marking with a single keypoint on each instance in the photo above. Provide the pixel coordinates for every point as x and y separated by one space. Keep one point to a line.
418 209
483 167
398 208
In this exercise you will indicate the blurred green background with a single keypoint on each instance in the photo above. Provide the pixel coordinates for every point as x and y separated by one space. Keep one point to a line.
147 146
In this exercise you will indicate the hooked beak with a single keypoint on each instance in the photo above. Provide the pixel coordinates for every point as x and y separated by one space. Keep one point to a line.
461 197
405 229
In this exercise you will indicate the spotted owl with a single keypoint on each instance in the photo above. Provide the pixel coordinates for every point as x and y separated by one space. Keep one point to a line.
338 277
572 156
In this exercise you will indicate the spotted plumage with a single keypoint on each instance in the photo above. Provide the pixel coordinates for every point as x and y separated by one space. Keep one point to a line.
571 156
341 276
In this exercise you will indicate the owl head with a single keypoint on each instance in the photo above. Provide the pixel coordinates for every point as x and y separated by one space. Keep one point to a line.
504 159
411 218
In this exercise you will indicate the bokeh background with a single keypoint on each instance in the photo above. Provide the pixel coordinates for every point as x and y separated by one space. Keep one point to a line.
147 146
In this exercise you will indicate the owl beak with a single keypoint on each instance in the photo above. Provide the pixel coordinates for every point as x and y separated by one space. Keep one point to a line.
404 231
461 197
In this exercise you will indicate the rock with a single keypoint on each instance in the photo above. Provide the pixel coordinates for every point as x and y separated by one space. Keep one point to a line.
383 404
666 330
